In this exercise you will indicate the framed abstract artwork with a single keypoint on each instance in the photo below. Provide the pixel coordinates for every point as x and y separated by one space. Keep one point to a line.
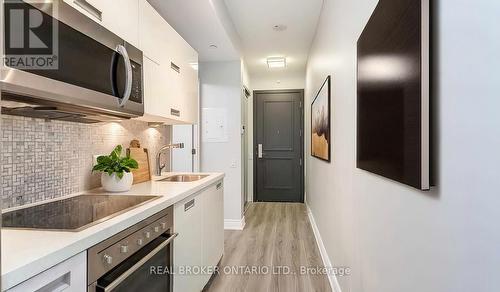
320 122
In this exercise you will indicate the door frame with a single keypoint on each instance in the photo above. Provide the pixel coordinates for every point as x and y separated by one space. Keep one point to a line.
254 150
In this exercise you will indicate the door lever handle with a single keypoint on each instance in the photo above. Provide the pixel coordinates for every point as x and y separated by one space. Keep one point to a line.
259 151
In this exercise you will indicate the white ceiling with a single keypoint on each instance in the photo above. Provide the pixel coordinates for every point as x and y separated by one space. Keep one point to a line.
245 28
197 22
254 21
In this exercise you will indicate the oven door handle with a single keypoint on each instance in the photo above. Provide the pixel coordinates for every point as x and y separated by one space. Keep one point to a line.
135 267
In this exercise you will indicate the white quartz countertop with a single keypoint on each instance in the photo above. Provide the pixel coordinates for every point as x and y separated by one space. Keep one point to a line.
26 253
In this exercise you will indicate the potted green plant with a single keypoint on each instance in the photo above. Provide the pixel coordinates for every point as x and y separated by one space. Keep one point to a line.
115 168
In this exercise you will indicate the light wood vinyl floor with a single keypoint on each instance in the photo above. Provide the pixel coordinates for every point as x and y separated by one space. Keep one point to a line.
276 235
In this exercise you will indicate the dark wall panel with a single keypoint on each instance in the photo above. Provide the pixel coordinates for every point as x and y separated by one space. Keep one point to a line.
389 104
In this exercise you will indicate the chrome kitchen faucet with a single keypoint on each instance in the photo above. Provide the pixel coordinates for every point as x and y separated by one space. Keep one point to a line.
160 167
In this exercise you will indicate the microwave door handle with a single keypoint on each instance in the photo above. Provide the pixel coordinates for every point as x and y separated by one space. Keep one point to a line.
128 75
139 264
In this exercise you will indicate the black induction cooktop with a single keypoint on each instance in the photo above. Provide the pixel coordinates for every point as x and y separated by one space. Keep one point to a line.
72 214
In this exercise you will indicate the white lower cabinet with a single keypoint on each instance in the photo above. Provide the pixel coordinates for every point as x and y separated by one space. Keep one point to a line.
213 227
187 252
199 220
70 275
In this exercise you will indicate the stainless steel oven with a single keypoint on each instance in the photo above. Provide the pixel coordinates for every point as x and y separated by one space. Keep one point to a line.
94 74
137 259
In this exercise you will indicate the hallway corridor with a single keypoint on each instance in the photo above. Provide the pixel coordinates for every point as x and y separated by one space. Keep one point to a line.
276 235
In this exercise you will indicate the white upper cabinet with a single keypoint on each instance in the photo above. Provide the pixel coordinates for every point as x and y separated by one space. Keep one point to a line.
155 87
172 95
188 81
153 40
183 64
170 63
121 19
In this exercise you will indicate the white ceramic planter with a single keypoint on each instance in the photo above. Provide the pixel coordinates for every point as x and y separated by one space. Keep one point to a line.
111 183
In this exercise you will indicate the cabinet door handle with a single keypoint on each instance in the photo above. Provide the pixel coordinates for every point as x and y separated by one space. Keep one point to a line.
89 8
189 205
60 284
175 112
175 67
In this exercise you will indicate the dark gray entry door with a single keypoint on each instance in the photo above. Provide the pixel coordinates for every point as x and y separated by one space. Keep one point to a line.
279 142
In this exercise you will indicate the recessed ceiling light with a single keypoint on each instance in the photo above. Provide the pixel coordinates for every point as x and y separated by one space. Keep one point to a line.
279 27
276 62
212 46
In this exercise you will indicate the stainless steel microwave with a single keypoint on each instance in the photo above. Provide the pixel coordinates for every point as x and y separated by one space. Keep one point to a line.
93 75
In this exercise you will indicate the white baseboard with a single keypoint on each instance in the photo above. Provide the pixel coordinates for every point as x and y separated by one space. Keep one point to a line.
334 284
232 224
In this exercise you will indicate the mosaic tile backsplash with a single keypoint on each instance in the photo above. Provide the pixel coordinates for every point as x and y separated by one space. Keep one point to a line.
42 160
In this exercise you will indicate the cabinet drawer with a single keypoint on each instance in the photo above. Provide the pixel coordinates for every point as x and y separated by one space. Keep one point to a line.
70 275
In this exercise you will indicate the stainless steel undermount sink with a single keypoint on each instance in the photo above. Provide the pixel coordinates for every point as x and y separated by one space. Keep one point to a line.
184 177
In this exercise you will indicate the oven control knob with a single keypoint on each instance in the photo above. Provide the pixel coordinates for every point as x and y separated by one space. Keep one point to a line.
140 242
147 234
124 248
107 259
157 229
163 225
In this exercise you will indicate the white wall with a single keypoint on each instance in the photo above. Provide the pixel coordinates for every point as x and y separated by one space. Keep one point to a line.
295 81
247 155
393 237
221 88
250 148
